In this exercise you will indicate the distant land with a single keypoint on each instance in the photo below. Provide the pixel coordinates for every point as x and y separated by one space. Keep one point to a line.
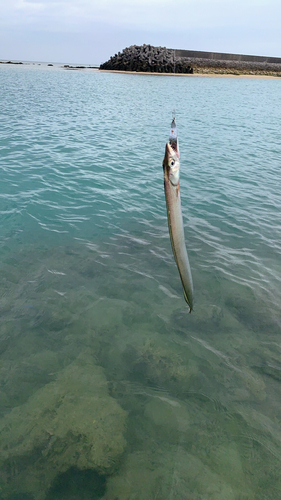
147 58
65 66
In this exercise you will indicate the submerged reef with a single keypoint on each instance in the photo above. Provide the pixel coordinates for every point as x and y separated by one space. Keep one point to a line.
119 393
70 424
173 472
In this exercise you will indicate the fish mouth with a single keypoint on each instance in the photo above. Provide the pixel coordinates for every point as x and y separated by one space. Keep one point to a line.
171 146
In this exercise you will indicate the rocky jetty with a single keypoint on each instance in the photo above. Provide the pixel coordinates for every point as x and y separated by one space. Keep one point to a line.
146 58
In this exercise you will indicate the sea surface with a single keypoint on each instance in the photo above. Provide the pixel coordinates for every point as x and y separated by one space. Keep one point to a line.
110 389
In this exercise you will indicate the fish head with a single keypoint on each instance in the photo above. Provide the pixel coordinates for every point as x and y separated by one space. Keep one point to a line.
171 163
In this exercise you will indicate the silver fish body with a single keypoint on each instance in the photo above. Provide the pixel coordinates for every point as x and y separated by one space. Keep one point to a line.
171 167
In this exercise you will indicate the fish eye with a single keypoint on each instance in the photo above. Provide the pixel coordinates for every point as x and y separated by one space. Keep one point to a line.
172 163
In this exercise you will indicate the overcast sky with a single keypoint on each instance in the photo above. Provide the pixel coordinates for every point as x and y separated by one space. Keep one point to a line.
90 31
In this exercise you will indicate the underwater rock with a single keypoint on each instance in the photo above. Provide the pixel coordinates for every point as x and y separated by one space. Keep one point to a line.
155 362
169 473
167 416
106 313
69 423
252 313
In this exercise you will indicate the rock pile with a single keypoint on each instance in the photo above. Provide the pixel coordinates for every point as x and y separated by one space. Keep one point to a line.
148 59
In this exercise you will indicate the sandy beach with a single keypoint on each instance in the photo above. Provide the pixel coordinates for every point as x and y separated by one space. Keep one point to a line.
189 75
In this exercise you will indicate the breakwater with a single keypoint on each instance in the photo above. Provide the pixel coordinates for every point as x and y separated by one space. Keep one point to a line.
147 58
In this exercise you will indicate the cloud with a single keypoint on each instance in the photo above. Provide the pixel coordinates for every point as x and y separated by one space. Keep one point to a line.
141 14
101 28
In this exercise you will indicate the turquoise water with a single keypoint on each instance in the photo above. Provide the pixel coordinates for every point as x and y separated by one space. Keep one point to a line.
109 388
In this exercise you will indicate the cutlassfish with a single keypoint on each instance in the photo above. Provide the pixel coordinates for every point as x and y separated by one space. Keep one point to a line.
171 167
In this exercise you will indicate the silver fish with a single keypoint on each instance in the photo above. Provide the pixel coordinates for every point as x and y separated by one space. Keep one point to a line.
171 167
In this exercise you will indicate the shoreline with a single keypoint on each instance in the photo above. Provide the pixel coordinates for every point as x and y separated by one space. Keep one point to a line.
192 75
